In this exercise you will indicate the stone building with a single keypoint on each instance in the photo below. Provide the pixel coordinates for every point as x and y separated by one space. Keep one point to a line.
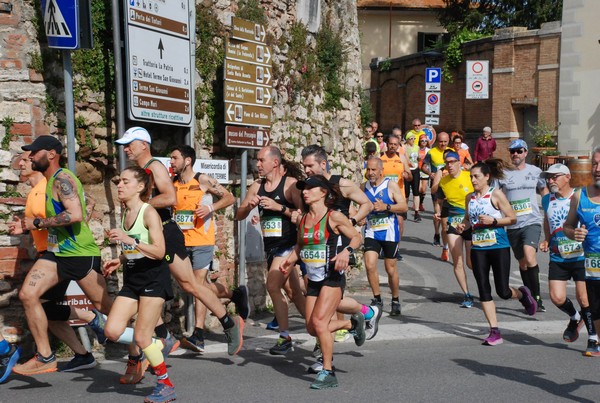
303 113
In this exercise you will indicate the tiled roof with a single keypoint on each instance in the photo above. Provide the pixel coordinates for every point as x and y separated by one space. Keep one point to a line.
419 4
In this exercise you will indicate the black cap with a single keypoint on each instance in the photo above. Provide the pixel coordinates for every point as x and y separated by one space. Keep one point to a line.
44 143
313 182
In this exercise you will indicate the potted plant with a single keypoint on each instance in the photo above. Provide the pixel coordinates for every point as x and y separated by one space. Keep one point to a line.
544 136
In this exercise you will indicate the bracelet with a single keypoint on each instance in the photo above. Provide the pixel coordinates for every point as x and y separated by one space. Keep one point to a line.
210 208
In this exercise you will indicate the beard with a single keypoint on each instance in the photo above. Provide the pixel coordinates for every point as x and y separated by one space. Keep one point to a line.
553 188
41 165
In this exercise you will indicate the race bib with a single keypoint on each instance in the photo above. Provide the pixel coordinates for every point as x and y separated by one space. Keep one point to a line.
569 249
482 238
453 221
521 207
53 243
393 178
314 255
271 227
185 219
379 222
130 252
592 265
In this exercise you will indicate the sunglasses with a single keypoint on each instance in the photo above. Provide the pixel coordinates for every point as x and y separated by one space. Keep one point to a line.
554 177
517 151
422 141
379 137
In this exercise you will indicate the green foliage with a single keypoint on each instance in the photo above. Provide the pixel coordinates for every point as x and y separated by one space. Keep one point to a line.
251 10
11 191
331 63
366 109
454 53
385 65
544 134
7 122
36 62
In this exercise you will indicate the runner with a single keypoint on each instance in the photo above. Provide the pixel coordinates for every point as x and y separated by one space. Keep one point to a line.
194 215
146 279
423 177
566 257
72 253
326 258
585 210
411 150
520 186
487 212
381 231
452 189
136 144
276 197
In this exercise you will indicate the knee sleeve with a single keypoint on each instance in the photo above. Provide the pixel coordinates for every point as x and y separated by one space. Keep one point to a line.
56 312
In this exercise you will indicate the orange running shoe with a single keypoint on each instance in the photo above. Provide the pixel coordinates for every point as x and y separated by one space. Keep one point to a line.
135 370
444 256
36 365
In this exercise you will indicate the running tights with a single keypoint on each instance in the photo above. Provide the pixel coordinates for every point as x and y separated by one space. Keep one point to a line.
499 261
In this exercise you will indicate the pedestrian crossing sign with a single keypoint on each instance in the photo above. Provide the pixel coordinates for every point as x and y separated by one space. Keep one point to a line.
61 23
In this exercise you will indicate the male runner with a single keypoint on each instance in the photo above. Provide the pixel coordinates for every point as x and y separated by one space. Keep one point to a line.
520 186
194 215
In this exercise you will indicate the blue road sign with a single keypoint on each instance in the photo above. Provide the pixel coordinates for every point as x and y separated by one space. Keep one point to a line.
61 23
433 75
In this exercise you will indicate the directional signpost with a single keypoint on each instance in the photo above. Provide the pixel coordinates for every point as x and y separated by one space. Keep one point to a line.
246 137
159 66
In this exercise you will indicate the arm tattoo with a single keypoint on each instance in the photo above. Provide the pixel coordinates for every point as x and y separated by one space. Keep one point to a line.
215 188
65 188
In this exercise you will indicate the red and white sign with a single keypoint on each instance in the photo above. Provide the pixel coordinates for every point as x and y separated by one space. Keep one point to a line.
478 79
432 103
76 298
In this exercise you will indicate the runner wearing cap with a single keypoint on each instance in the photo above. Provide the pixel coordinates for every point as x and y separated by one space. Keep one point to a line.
411 150
520 186
566 256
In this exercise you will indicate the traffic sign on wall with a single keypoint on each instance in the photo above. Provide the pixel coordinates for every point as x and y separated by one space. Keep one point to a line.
477 79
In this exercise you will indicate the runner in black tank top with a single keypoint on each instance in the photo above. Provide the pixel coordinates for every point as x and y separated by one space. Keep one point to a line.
277 228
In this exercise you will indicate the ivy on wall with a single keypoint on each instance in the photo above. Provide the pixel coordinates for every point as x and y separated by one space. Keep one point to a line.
454 54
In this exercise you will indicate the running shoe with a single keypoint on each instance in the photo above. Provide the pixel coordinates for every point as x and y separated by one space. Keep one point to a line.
324 380
134 373
273 325
37 365
282 347
418 217
358 328
528 301
540 305
193 343
467 302
341 336
444 257
318 366
399 257
161 394
235 336
493 339
372 326
97 325
396 309
8 361
593 349
170 344
317 350
242 304
80 362
421 207
571 333
436 240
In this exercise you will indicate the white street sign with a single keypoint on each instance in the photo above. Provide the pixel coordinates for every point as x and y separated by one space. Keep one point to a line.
478 79
432 103
430 120
433 79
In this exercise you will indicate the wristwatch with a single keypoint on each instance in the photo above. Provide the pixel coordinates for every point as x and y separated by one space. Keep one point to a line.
388 207
136 241
353 221
37 222
283 209
350 249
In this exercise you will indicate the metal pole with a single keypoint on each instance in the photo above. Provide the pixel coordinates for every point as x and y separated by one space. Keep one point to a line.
85 340
69 108
120 107
189 140
243 223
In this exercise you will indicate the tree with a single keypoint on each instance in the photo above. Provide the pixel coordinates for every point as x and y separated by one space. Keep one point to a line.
485 16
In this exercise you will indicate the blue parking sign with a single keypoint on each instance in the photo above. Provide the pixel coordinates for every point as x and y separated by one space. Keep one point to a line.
433 79
61 23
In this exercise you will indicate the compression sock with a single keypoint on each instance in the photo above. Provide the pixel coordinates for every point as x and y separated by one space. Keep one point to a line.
377 298
569 309
367 312
155 357
4 347
161 331
199 333
227 322
525 279
534 280
586 315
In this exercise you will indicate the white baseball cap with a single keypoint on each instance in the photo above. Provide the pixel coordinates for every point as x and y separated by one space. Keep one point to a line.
556 169
135 133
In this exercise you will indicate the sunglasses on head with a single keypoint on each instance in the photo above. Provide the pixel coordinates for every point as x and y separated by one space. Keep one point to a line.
517 151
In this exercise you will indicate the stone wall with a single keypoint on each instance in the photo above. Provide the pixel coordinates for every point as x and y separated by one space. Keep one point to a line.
24 92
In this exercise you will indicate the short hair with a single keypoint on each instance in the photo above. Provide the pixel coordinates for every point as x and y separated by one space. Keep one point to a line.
394 136
186 152
378 160
316 151
274 152
596 150
370 147
397 127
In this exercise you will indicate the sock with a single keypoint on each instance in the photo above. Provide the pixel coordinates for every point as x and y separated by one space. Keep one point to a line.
495 330
586 315
284 334
136 357
534 280
227 322
395 299
367 312
161 331
161 374
446 246
127 336
236 295
377 298
525 279
199 333
46 360
157 361
569 309
4 347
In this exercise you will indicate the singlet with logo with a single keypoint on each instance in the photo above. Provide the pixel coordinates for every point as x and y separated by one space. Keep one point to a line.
435 158
454 191
381 226
588 213
277 229
520 187
164 212
35 206
319 245
486 237
70 240
412 153
393 168
196 231
422 154
562 249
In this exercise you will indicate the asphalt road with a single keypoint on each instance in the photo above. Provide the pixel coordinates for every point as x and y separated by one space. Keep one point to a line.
431 353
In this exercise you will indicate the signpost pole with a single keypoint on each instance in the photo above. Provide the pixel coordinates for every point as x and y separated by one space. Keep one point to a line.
69 108
243 223
120 103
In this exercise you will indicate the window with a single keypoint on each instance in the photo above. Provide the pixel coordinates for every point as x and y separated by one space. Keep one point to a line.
427 41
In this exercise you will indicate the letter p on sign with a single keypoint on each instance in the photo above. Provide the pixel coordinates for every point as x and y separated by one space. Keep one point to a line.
433 79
